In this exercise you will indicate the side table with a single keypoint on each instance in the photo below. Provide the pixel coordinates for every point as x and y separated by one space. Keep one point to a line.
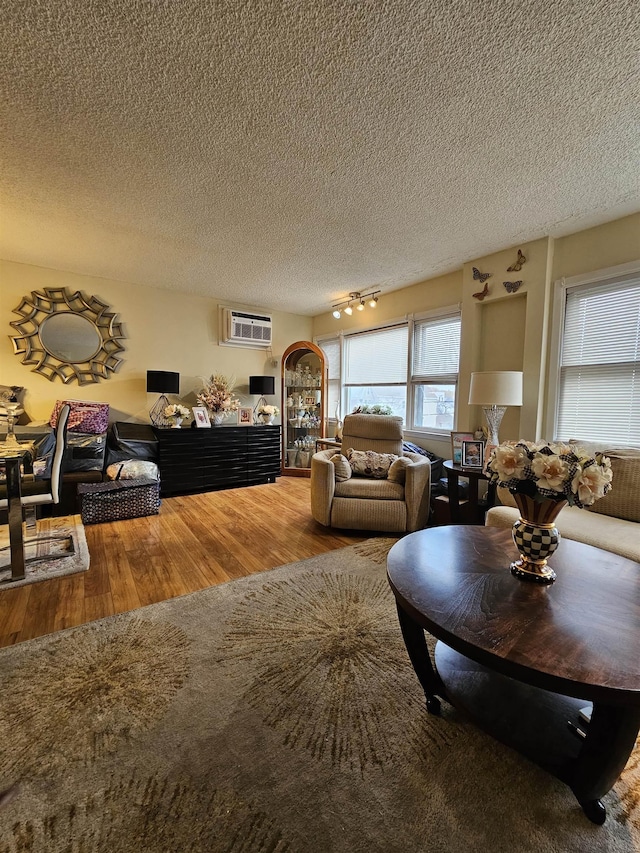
475 477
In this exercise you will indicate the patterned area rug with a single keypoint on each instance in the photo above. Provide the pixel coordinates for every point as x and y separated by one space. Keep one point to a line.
68 550
276 713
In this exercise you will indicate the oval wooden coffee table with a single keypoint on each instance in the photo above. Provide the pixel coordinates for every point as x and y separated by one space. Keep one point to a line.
522 659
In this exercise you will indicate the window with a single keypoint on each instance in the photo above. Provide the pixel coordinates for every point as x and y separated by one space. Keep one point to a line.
411 367
376 369
599 366
434 374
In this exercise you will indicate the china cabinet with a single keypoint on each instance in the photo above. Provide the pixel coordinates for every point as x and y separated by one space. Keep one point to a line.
303 406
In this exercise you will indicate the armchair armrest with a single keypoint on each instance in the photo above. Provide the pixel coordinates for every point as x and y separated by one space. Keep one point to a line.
323 484
417 491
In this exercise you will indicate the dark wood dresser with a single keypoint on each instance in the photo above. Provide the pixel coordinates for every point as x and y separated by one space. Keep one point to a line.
223 457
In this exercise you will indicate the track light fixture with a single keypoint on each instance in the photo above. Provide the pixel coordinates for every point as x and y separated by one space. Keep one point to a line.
357 299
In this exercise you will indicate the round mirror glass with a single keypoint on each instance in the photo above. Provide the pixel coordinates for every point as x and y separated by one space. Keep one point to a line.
71 338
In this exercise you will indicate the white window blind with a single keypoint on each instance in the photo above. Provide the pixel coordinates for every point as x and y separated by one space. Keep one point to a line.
377 358
436 349
599 395
331 350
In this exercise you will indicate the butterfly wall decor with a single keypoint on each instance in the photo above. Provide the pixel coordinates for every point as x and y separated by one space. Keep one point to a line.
518 264
512 286
480 276
481 293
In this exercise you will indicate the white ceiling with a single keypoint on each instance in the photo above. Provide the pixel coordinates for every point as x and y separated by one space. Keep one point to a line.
281 153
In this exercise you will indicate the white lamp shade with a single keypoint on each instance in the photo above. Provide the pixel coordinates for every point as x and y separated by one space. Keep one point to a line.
496 388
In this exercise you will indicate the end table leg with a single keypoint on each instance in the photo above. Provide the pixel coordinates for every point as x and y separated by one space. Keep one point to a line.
418 652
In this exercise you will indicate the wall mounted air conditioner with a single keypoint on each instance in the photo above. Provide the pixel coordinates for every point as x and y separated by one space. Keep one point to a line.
244 328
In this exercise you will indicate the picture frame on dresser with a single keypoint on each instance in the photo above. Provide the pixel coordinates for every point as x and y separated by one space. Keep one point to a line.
201 417
245 416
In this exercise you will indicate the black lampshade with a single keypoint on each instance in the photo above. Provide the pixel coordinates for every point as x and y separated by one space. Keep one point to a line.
262 385
163 382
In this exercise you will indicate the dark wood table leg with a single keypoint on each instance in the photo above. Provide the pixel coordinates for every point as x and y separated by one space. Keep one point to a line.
420 658
454 497
611 736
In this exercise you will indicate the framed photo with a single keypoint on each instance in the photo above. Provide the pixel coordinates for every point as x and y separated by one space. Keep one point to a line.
456 445
201 416
245 416
473 454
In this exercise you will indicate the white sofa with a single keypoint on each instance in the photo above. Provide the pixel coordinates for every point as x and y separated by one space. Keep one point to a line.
612 523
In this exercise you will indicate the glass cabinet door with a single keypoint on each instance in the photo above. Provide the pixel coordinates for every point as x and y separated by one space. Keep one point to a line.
303 406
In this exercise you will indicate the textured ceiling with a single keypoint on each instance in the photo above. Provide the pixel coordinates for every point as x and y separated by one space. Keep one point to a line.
281 153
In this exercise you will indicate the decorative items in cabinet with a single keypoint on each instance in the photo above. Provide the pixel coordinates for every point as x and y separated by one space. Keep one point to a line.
303 406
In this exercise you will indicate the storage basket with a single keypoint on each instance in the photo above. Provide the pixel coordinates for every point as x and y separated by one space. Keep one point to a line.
117 500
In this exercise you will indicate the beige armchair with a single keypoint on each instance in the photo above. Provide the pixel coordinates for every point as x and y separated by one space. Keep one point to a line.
363 503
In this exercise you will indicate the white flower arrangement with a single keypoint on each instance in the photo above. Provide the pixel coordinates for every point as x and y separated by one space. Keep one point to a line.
217 395
562 472
269 410
175 410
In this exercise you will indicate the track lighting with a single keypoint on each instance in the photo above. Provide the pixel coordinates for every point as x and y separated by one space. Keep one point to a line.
357 299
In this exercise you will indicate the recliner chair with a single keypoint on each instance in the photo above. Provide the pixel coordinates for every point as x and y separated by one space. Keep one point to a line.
363 503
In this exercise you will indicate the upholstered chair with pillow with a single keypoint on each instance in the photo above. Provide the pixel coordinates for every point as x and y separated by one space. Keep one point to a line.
369 483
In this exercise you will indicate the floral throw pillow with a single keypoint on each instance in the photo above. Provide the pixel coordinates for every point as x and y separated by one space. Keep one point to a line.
368 463
132 469
342 467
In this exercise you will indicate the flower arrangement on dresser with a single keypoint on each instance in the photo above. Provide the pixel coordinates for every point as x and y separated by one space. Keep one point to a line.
217 397
175 413
268 412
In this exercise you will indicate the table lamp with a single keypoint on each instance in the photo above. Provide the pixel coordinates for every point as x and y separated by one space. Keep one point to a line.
161 382
261 385
494 390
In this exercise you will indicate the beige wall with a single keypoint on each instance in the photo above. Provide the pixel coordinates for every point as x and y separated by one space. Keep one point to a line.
165 331
505 331
169 331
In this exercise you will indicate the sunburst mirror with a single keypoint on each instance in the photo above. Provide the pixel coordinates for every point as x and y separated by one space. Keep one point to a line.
68 336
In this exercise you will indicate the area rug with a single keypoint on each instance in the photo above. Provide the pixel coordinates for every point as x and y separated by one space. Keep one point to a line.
69 551
275 713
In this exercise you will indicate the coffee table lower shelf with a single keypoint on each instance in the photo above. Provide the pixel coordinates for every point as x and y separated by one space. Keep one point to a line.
543 726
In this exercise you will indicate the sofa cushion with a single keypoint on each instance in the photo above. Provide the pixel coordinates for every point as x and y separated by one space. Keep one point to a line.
623 499
368 463
367 487
611 534
341 466
398 470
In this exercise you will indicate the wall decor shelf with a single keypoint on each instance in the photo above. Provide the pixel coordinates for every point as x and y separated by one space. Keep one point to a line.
304 388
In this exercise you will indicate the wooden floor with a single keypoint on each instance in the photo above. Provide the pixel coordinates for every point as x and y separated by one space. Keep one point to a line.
195 542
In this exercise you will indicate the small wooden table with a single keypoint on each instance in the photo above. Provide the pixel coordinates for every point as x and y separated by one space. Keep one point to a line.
524 659
475 476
